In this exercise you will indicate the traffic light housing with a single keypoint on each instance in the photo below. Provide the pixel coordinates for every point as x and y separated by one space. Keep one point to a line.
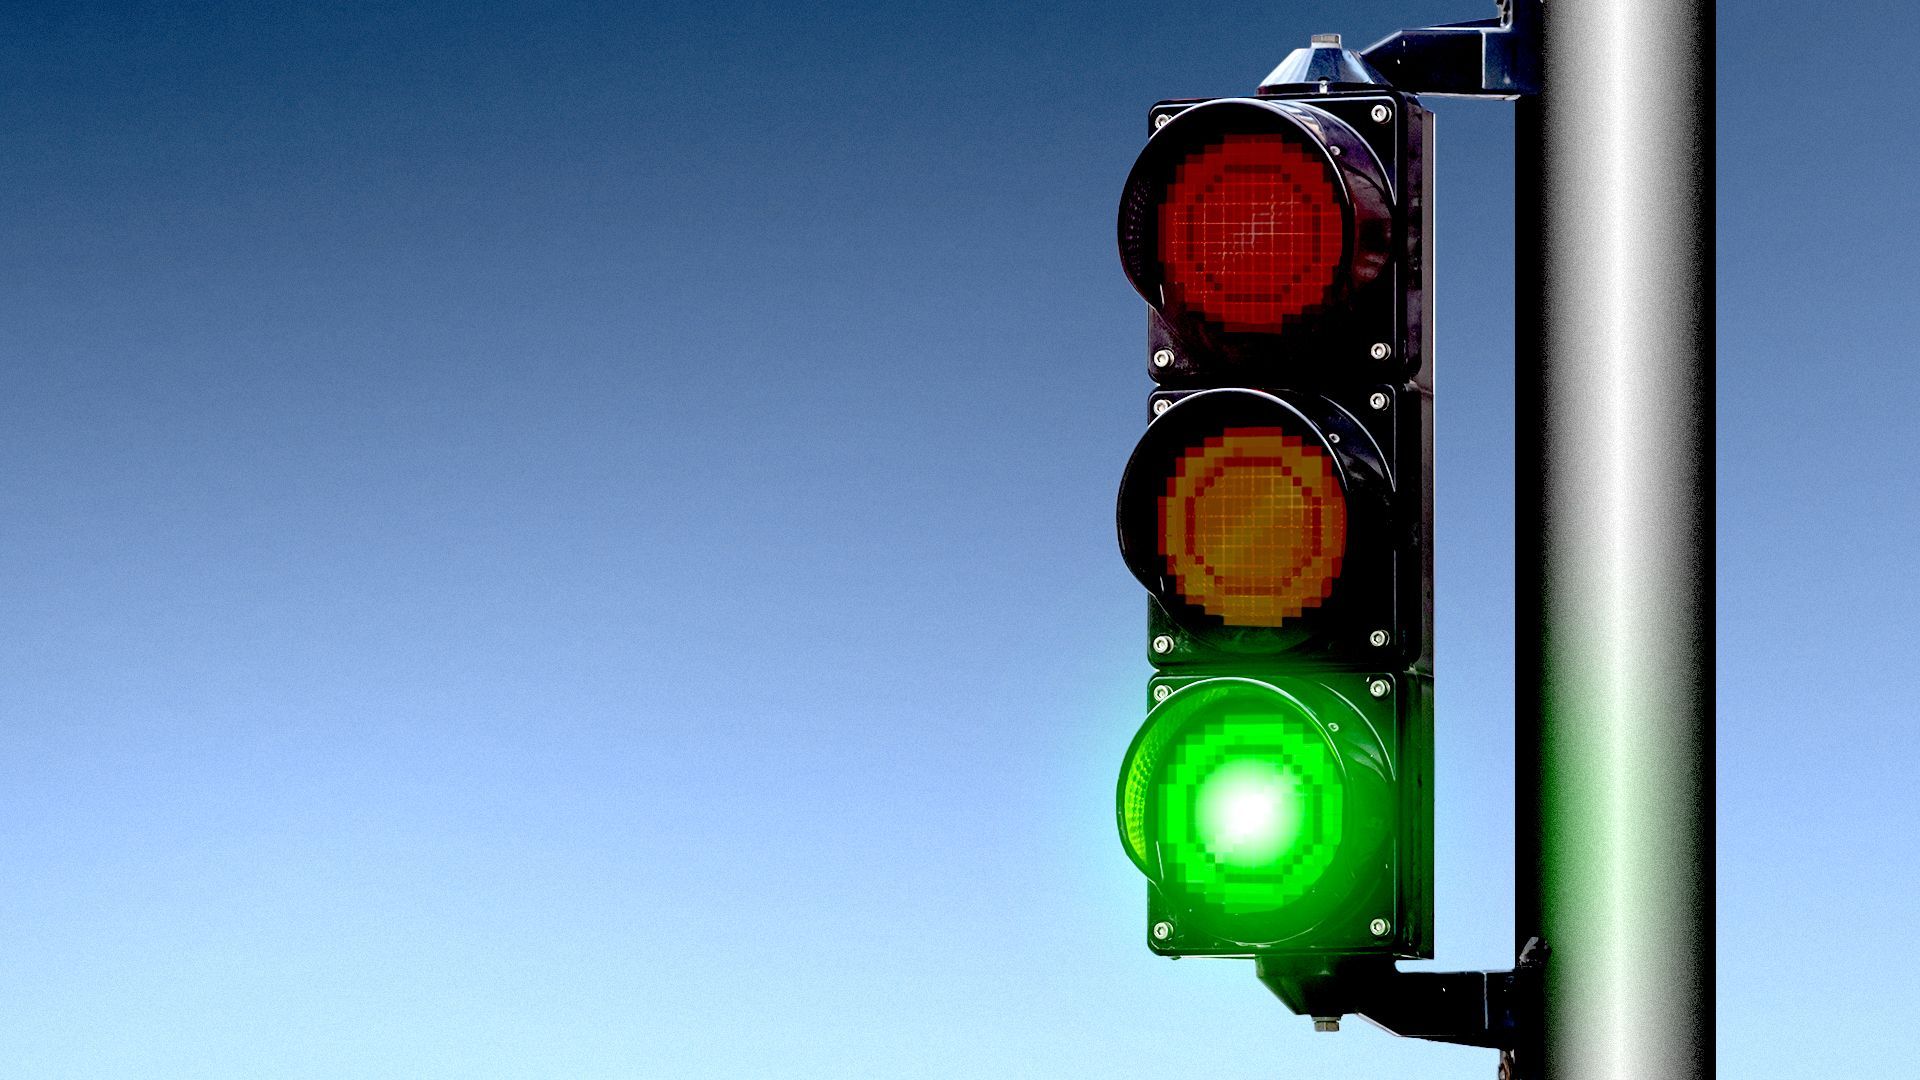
1269 813
1278 511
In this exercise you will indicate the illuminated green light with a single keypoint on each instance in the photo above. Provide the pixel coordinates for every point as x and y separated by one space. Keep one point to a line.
1248 811
1236 798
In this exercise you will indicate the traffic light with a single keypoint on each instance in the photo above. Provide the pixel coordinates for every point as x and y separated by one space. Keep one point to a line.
1278 510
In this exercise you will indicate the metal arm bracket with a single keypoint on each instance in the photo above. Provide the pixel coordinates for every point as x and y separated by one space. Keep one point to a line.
1497 58
1472 1008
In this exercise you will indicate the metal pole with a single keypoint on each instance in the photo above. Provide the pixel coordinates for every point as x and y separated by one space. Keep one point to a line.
1614 539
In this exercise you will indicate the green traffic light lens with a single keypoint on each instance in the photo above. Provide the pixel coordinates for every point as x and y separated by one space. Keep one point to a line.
1244 799
1248 814
1249 811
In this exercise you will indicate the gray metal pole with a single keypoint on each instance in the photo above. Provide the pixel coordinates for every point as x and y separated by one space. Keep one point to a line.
1614 474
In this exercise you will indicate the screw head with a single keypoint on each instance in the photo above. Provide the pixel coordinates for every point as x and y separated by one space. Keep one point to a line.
1379 688
1334 150
1381 114
1379 638
1379 927
1161 406
1380 351
1162 931
1163 644
1378 400
1162 692
1162 357
1160 120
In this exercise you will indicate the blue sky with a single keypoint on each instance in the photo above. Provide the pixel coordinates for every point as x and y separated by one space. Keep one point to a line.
576 540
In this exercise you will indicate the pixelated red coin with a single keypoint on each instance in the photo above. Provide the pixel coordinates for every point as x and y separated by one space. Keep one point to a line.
1251 232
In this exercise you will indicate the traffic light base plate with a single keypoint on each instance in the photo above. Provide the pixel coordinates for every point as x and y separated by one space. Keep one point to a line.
1498 1009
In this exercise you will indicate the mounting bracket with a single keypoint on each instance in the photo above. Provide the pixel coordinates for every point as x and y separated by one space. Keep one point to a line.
1472 1008
1498 57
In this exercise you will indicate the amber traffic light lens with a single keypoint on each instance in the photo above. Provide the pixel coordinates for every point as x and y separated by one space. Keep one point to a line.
1240 512
1251 232
1253 526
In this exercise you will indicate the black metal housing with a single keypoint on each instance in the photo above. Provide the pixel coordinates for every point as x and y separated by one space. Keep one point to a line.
1401 894
1361 371
1373 434
1382 298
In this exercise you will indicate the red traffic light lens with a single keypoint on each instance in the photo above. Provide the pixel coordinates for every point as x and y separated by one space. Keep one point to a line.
1253 526
1251 232
1259 231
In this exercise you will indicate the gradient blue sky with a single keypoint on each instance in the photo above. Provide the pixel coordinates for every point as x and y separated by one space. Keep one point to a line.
575 540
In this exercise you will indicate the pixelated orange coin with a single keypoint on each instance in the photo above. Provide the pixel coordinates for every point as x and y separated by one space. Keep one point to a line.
1253 526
